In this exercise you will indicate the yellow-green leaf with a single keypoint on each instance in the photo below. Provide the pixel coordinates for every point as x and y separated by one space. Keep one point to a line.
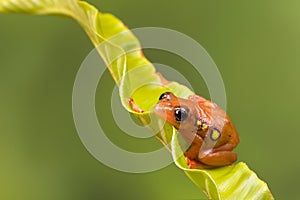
122 54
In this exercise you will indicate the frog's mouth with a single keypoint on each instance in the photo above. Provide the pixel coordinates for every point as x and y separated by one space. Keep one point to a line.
165 112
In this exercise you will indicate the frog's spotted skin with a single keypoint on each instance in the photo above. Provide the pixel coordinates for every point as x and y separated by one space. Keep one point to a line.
208 129
203 124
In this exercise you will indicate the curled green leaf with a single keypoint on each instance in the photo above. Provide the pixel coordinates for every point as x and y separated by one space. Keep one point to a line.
122 54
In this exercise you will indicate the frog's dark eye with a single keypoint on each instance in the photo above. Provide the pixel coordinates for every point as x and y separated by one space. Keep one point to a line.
215 135
165 95
181 113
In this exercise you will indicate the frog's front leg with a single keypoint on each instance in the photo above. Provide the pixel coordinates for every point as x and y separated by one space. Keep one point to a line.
191 158
219 158
191 154
134 106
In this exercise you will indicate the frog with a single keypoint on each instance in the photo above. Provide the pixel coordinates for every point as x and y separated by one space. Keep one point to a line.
203 124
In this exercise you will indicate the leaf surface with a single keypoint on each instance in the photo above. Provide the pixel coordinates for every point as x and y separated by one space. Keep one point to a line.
137 79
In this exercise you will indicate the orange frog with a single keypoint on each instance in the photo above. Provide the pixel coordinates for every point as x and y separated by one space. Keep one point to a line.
204 125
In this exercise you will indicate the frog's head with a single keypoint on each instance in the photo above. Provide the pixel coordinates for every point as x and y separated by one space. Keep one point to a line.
178 112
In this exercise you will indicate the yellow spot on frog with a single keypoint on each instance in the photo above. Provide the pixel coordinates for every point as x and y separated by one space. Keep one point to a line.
199 122
204 126
215 135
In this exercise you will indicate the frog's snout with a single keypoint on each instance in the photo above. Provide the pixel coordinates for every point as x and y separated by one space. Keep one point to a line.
160 111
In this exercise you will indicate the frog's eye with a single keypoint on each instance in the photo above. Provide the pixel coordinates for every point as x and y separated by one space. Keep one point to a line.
181 113
165 95
215 134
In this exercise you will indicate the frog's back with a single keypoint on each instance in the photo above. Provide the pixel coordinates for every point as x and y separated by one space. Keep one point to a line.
216 118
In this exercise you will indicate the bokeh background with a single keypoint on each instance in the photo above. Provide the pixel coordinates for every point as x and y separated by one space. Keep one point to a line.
255 44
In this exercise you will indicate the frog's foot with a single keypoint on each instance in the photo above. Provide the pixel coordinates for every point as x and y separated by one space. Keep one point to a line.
193 164
134 106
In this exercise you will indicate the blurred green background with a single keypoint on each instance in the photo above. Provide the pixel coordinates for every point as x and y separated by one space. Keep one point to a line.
255 44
